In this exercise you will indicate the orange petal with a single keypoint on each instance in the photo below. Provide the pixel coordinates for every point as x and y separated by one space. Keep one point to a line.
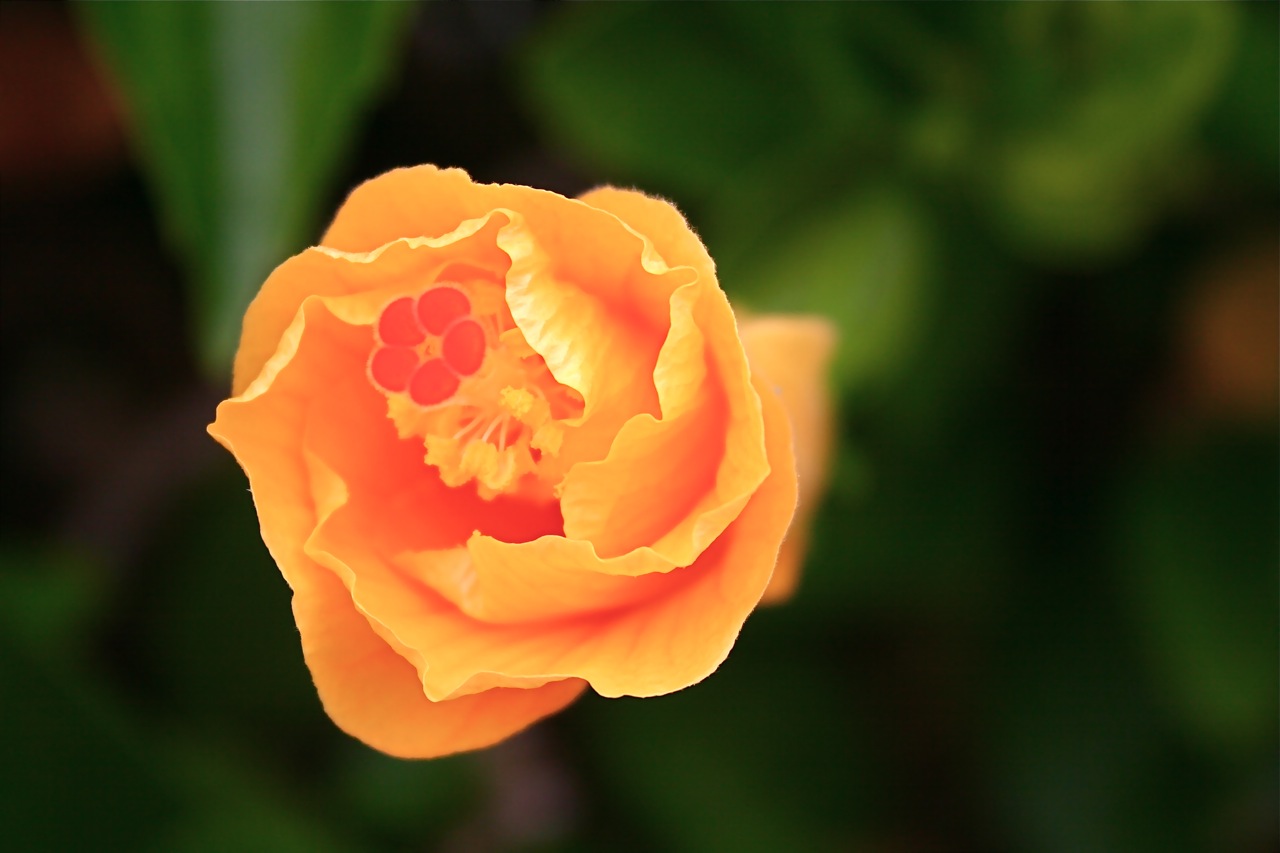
263 427
708 445
369 690
664 644
589 247
548 578
740 465
421 201
604 277
660 222
375 695
591 342
792 354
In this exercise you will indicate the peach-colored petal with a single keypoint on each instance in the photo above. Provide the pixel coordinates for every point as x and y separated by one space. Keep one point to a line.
368 689
674 455
589 342
678 481
660 222
374 694
548 578
668 231
658 646
588 247
792 355
263 428
588 293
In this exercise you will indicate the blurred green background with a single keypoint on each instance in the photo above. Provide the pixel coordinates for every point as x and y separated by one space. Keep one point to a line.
1041 609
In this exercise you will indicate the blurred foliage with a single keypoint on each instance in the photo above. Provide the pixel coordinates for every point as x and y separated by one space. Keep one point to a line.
1040 612
1189 523
913 171
242 111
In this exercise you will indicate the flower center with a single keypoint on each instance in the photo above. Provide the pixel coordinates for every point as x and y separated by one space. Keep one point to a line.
458 374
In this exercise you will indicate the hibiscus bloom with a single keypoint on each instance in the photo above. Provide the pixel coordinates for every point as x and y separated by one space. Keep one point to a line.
504 444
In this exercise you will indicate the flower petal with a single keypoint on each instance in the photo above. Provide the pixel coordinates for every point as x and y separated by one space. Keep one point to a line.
589 248
660 222
368 689
677 481
548 578
376 695
693 447
601 347
791 354
661 645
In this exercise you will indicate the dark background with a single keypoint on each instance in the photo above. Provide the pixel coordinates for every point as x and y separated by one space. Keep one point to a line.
1041 608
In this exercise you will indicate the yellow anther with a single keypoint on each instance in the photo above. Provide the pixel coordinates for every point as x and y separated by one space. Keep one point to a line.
547 438
516 401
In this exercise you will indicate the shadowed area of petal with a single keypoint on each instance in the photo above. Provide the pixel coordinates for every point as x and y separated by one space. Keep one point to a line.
548 578
595 346
662 645
791 355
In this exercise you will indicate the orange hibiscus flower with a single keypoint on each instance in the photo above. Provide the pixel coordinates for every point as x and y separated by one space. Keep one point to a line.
505 444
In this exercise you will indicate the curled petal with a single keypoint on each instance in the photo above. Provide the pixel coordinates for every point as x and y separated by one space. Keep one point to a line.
548 578
588 246
703 388
660 645
663 227
374 694
677 481
368 688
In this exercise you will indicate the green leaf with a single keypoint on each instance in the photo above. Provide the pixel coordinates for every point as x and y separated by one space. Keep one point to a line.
688 96
864 263
1198 539
1098 105
78 772
1246 120
242 112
